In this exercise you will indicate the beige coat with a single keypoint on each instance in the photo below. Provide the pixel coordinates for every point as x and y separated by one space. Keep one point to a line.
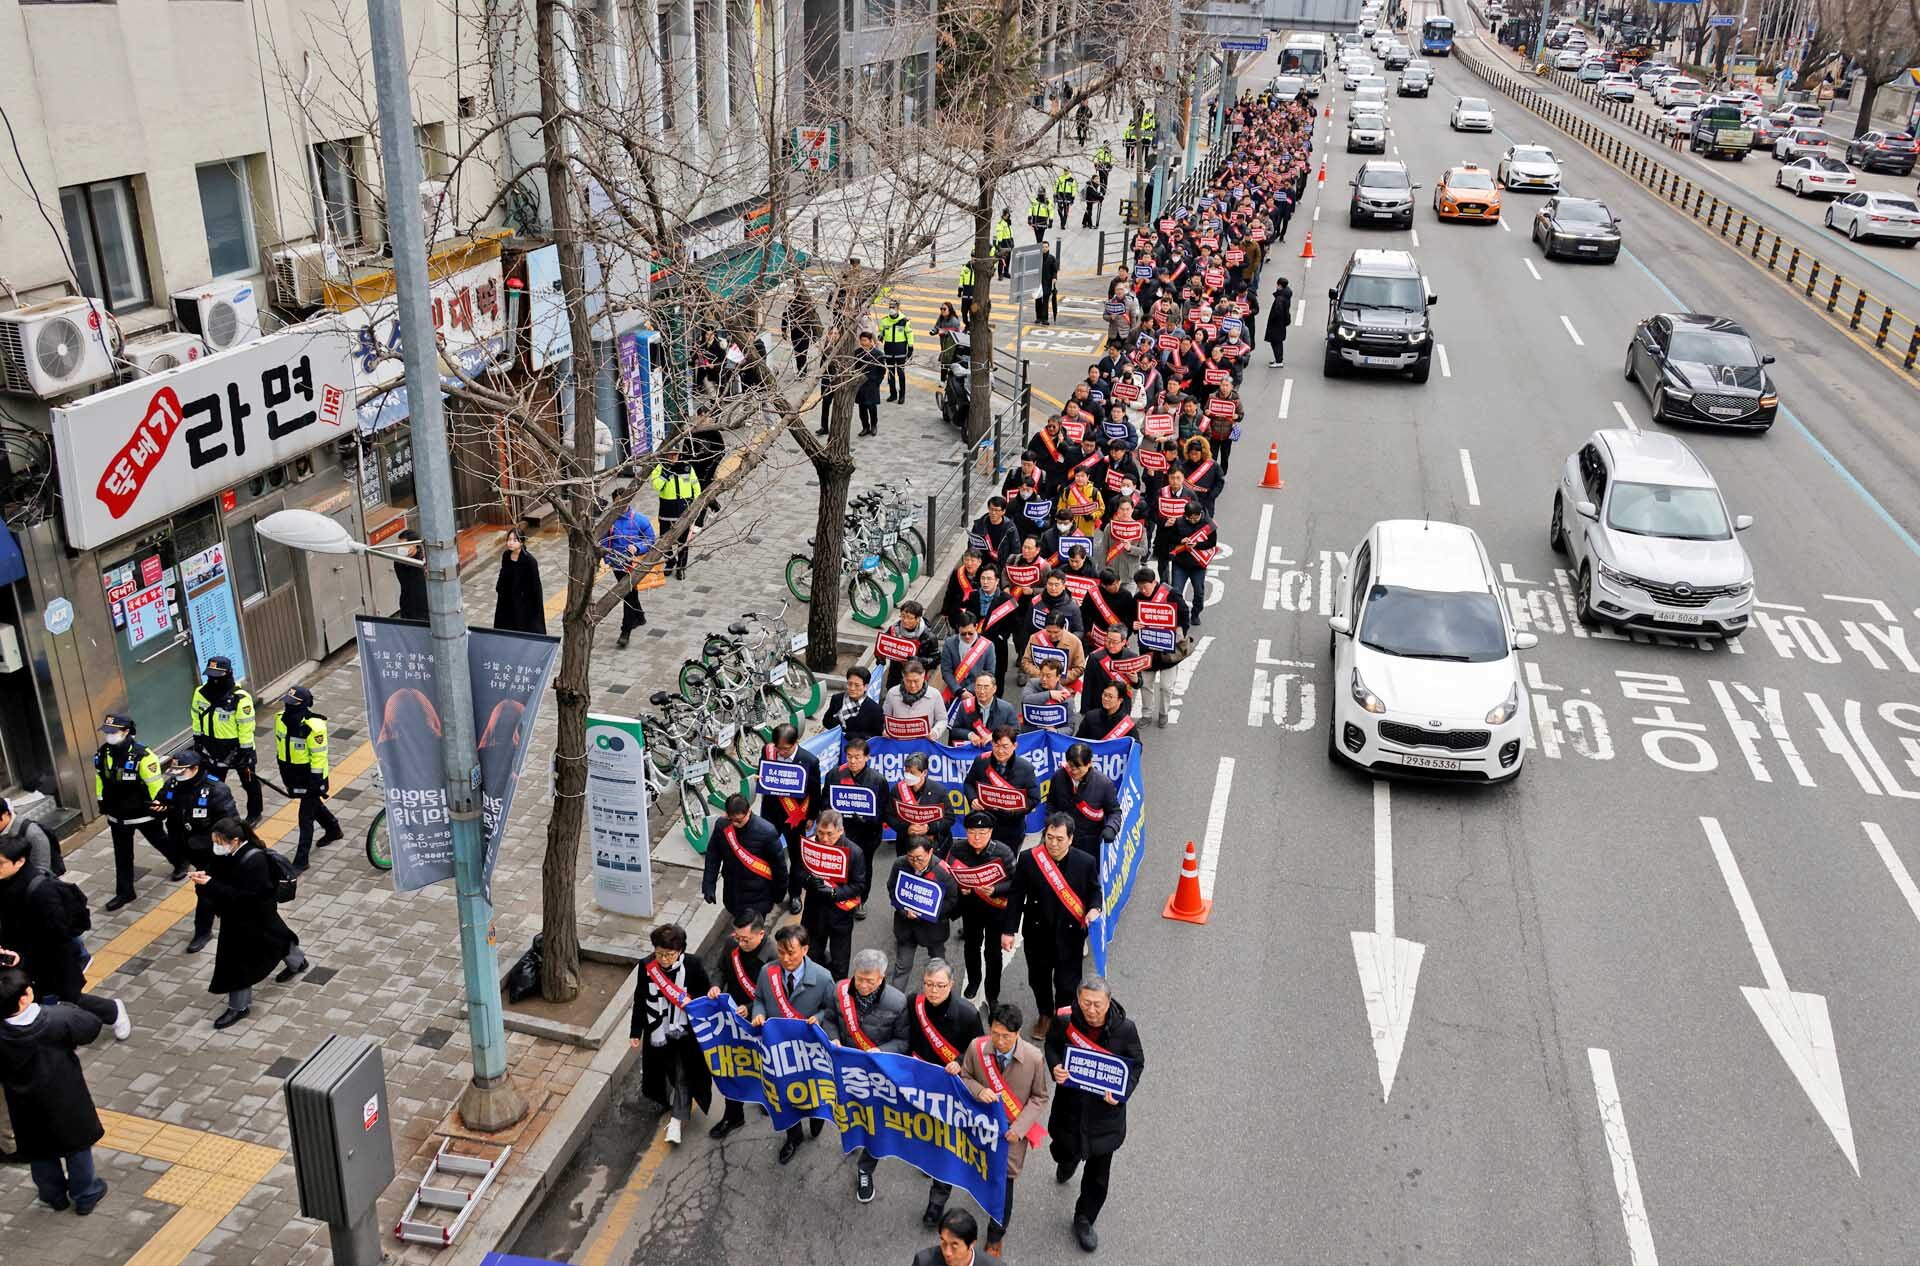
1076 659
1028 1079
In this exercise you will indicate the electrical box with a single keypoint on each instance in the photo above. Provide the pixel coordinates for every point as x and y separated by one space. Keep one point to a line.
338 1114
11 661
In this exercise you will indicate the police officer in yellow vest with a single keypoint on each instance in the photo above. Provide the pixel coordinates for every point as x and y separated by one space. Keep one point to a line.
126 782
1102 158
223 726
1130 141
896 344
1040 216
966 283
300 745
1003 243
679 488
1064 189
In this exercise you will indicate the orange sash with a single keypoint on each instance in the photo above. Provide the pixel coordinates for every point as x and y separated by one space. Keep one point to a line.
850 1017
1050 871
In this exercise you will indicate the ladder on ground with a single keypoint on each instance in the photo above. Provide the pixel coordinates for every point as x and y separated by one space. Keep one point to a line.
443 1188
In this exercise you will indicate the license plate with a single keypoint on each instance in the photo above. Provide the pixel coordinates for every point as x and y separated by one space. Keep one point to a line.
1430 762
798 641
778 673
1682 617
1383 215
1725 413
1379 360
1589 248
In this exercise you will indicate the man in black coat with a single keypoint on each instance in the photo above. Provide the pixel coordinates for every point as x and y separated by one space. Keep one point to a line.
673 1072
869 1015
982 867
54 1122
854 710
856 775
958 1231
870 369
912 930
745 858
940 1026
792 816
1056 893
38 932
240 887
834 875
520 602
994 534
1279 317
1085 1126
736 975
1003 783
1046 305
412 579
919 807
1085 796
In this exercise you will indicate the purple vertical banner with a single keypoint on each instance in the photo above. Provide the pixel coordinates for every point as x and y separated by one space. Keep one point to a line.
509 672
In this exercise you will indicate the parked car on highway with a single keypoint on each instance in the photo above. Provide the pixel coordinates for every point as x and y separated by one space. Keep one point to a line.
1425 676
1367 133
1530 167
1466 192
1875 213
1816 174
1377 316
1798 142
1578 228
1649 537
1471 114
1886 151
1704 369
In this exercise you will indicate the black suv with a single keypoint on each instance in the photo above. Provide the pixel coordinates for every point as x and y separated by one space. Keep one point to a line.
1377 316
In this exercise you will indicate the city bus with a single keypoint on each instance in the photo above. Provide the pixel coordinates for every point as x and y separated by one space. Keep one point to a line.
1304 55
1436 36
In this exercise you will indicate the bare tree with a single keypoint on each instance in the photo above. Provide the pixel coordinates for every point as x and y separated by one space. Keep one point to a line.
1879 38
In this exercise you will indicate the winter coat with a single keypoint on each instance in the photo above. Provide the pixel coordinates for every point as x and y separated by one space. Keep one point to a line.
46 1092
413 590
883 1018
683 1050
1279 316
1083 1124
253 937
34 926
519 602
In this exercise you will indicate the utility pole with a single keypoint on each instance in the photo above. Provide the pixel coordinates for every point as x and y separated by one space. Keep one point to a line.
489 1103
1161 194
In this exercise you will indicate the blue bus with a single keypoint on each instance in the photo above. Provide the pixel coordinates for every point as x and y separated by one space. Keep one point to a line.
1436 36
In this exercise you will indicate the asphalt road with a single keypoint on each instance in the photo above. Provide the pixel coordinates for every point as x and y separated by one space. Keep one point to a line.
1585 1075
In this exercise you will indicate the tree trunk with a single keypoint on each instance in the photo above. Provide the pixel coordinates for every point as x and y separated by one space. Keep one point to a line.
1869 89
980 325
834 467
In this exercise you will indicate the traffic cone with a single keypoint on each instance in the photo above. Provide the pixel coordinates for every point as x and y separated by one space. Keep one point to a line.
1272 478
1186 904
1306 252
1329 113
1323 171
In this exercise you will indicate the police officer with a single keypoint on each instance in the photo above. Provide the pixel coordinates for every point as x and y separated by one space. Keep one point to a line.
966 284
300 744
1039 215
126 782
1003 243
194 799
1064 189
223 726
896 344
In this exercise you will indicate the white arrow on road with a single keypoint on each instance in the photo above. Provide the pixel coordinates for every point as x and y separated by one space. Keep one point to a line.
1389 966
1797 1022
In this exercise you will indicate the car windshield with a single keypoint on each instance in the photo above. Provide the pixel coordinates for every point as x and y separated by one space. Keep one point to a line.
1826 164
1418 624
1681 514
1735 350
1532 154
1583 213
1362 122
1383 178
1473 103
1404 293
1470 180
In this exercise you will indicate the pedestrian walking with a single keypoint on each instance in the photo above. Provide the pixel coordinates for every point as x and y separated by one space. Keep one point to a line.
1080 792
800 322
912 710
193 800
1003 244
958 1231
1087 1128
224 722
746 863
834 880
1193 551
941 1026
519 602
735 976
982 867
1040 215
411 577
914 930
1004 1068
869 368
1093 197
792 816
126 782
673 1072
705 448
854 711
794 987
919 808
1046 304
911 627
1279 318
300 746
245 886
41 919
1055 895
54 1122
678 488
857 773
1064 189
1003 783
629 539
869 1015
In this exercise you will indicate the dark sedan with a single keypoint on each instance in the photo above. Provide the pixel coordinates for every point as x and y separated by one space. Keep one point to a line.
1577 228
1882 151
1702 369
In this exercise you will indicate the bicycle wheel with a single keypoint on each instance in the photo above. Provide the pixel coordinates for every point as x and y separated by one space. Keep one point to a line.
695 815
900 560
379 843
800 577
801 689
891 575
917 543
697 682
869 599
715 649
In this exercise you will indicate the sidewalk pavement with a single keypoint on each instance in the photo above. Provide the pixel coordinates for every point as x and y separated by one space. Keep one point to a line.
196 1145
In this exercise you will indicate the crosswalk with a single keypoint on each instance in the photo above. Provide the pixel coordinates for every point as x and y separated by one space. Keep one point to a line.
1079 329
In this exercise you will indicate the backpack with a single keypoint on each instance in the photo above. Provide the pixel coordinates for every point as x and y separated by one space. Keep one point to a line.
56 863
73 902
286 885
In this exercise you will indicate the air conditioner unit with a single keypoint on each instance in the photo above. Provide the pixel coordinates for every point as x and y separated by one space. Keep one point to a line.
49 349
223 314
300 273
436 210
157 353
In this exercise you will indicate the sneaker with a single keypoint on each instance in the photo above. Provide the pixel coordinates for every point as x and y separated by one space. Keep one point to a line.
863 1187
673 1131
122 1025
1273 364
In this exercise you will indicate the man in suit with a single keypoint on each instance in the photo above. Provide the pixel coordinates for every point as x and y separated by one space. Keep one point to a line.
1086 1126
854 710
869 1015
1002 1068
863 829
745 859
1088 798
940 1026
792 816
1056 893
958 1231
793 987
736 973
1003 783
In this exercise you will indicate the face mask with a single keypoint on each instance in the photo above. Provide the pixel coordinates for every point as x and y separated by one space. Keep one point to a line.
225 850
115 737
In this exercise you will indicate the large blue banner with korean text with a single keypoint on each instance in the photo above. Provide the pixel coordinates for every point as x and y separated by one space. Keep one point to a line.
892 1105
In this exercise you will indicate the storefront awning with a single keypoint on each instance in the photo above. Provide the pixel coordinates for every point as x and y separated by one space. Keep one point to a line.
749 266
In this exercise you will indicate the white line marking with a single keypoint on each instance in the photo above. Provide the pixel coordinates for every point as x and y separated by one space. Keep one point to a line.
1416 235
1886 612
1779 606
1396 151
1530 267
1573 333
1505 227
1259 563
1626 419
1466 468
1446 370
1901 879
1626 1179
1299 311
1216 827
1286 397
1743 902
1382 859
1316 213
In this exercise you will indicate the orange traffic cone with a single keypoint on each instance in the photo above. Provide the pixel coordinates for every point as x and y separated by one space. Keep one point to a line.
1272 478
1306 252
1329 113
1323 171
1186 904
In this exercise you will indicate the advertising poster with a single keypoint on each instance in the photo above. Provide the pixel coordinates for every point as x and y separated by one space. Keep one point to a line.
617 815
211 616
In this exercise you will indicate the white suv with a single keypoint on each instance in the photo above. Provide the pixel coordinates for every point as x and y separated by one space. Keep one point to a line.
1649 536
1425 679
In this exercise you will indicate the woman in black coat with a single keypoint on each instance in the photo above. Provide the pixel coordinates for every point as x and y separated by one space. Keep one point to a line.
673 1072
520 605
253 937
412 579
54 1122
1279 316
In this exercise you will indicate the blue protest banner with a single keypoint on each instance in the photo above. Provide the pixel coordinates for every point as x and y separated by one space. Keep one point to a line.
731 1046
860 802
782 778
1096 1072
1121 856
922 896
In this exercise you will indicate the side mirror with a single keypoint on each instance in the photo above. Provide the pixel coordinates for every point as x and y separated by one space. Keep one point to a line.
1355 182
1333 293
1414 185
1587 510
1525 641
1432 299
1766 360
1741 522
1340 624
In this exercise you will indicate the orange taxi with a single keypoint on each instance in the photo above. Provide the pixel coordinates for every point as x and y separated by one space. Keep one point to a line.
1466 192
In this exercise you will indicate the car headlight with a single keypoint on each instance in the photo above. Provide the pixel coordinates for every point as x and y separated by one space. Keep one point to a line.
1368 700
1676 386
1417 337
1510 705
1616 575
1769 400
1345 332
1740 590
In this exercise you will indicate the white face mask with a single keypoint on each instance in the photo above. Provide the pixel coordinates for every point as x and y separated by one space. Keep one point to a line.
116 737
225 850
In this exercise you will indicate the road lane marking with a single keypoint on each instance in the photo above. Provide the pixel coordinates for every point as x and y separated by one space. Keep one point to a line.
1886 612
1216 827
1530 267
1572 333
1626 1178
1504 226
598 1250
1416 236
1466 468
1316 213
1389 967
1286 397
1626 419
1446 370
1299 311
1255 568
1901 879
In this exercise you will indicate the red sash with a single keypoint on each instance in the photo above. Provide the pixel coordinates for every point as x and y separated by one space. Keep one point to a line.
970 659
908 727
1053 450
752 861
911 810
979 880
1081 504
1099 597
941 1046
1198 473
1000 794
1078 1038
1123 729
996 1082
1088 812
850 1016
1120 534
778 980
998 614
796 809
829 862
1201 554
1050 871
739 965
668 990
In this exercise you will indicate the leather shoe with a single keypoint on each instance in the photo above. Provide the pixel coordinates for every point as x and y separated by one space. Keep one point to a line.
325 840
180 872
88 1207
860 914
229 1018
289 973
1083 1232
198 943
119 901
993 1248
724 1128
787 1149
793 905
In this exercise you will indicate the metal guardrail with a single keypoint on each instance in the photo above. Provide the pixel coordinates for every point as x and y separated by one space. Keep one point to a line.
1873 322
